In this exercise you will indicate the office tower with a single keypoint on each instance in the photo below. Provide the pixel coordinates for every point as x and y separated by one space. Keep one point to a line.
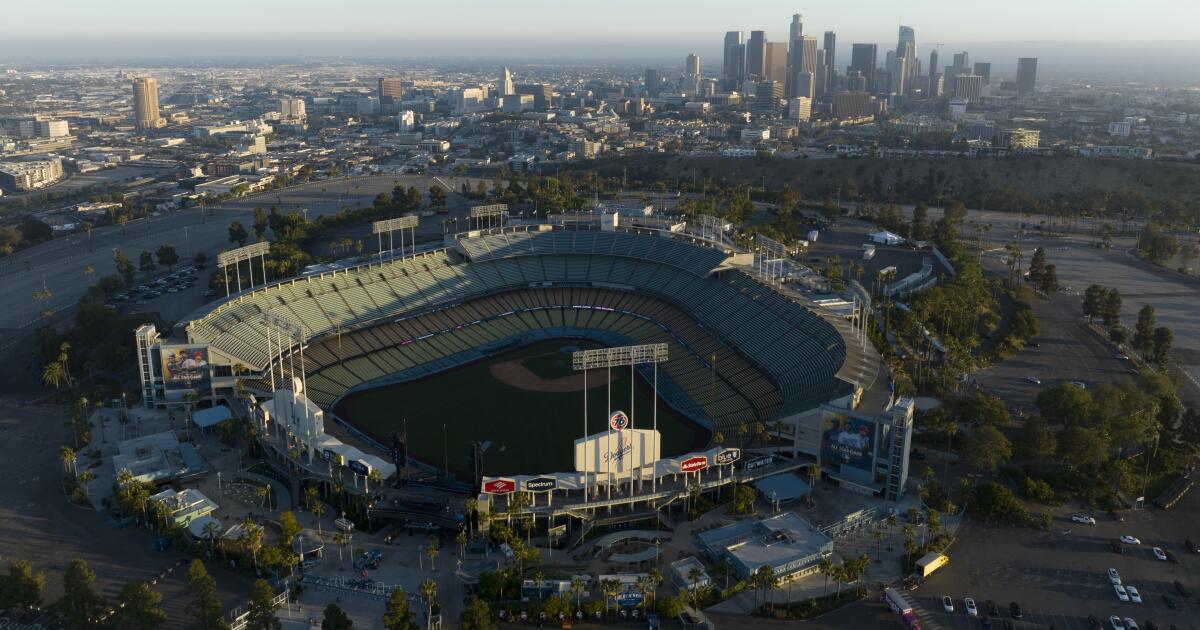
898 74
906 48
542 93
805 85
733 68
822 78
406 121
968 87
767 95
962 61
691 66
830 59
863 58
653 81
799 109
797 28
933 62
804 60
984 70
1026 74
935 85
505 83
390 90
53 128
292 108
854 82
775 63
145 104
756 56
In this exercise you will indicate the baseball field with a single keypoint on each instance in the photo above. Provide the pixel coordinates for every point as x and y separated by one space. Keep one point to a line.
525 405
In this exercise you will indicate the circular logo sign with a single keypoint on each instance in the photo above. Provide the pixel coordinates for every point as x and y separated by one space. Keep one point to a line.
618 421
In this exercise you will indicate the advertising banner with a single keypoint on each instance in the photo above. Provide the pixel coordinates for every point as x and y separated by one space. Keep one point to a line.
728 456
541 484
693 464
617 451
499 486
186 368
847 441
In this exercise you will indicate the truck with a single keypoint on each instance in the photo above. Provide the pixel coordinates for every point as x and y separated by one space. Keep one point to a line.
929 563
812 236
904 610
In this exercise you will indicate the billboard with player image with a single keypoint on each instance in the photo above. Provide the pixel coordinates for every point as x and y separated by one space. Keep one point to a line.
186 368
847 441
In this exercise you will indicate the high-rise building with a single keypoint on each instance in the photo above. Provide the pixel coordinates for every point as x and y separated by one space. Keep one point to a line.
796 30
804 59
775 64
984 70
406 121
145 104
653 81
733 69
53 128
933 62
767 95
806 85
799 109
830 45
968 87
822 78
898 74
854 81
542 93
691 65
962 61
1026 74
292 108
505 83
906 48
756 56
389 90
863 58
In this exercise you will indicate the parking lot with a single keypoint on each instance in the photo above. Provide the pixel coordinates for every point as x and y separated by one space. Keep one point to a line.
1059 576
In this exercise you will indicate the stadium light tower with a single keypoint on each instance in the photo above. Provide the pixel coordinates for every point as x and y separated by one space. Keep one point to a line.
493 214
609 358
235 257
284 327
391 226
769 258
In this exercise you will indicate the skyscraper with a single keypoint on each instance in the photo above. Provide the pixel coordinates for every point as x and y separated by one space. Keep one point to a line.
389 90
804 59
756 54
734 67
145 104
830 59
1026 74
968 87
805 85
505 83
822 78
691 65
775 63
933 62
863 58
797 27
984 70
906 49
653 81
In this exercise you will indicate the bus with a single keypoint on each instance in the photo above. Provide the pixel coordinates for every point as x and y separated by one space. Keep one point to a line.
902 608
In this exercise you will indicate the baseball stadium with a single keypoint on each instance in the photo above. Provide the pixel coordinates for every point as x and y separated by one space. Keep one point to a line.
469 342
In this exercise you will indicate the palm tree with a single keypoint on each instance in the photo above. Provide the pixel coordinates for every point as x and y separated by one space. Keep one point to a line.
429 591
252 536
341 540
826 568
878 541
472 504
66 454
432 551
577 590
64 351
316 507
212 531
84 478
538 578
609 588
462 541
54 373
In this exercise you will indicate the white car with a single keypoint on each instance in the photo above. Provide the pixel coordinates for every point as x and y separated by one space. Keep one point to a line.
1130 624
1134 595
1113 576
1116 623
1078 384
1159 553
1122 594
1033 379
948 604
971 609
1083 518
1130 540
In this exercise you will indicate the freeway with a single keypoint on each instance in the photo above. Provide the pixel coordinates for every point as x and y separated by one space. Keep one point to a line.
61 266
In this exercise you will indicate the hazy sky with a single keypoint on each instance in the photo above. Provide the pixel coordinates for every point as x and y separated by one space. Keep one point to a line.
612 29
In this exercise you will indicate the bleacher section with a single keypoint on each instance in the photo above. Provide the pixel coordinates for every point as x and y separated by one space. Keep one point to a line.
667 282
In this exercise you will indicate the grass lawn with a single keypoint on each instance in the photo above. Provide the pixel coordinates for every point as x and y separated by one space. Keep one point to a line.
528 432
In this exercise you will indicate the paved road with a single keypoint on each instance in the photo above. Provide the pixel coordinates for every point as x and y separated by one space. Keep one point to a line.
60 265
38 524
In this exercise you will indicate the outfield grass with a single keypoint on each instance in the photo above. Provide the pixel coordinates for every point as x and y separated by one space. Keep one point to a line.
529 432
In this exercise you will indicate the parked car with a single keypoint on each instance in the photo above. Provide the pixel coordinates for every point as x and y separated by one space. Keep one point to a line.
947 604
1078 384
1033 379
1116 623
970 606
1083 518
1130 540
1122 594
1134 595
1130 624
1113 576
1159 553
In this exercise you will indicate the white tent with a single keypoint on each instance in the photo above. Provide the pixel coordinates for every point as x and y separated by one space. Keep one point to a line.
884 237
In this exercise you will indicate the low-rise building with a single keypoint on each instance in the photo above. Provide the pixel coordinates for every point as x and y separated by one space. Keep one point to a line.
31 175
184 506
788 544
